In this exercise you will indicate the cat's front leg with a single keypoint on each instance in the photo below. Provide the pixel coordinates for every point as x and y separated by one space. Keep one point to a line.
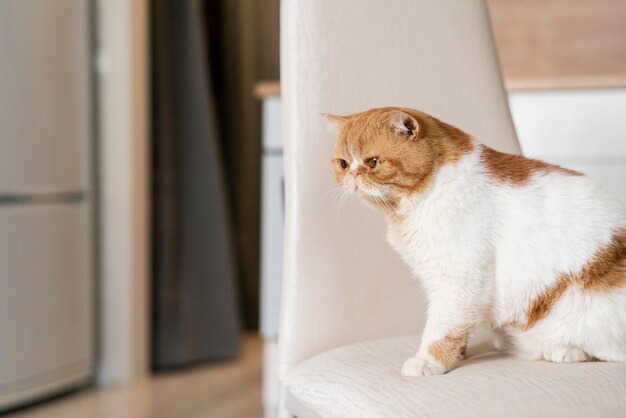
444 340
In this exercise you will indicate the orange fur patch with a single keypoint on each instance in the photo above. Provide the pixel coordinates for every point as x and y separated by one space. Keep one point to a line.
460 144
542 306
516 169
604 273
607 270
447 350
463 351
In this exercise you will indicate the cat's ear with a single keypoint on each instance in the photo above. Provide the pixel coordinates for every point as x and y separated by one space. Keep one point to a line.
334 122
405 124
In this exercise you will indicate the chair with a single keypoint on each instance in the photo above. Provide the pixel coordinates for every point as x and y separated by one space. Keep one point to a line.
351 313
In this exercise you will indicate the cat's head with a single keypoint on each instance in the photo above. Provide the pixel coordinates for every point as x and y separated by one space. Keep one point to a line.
386 154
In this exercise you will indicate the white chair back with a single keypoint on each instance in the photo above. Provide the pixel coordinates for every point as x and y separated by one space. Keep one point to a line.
342 281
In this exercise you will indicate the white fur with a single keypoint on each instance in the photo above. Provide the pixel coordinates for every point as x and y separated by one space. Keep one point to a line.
485 250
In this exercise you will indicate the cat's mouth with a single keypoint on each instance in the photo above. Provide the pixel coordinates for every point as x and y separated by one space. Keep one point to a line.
356 186
352 186
363 190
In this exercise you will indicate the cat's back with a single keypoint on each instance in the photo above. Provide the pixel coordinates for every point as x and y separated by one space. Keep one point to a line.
542 198
550 221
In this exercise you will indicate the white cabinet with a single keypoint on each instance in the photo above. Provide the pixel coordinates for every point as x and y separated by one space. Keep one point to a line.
45 107
46 315
47 337
580 129
272 219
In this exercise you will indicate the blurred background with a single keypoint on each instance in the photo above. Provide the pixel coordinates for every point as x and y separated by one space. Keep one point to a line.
141 188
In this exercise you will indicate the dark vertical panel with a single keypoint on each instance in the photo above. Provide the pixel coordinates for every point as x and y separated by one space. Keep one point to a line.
267 39
195 314
239 116
244 48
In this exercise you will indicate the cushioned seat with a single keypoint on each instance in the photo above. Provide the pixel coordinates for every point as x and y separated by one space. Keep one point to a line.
363 380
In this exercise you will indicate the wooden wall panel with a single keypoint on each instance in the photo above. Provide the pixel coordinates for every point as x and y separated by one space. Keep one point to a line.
561 43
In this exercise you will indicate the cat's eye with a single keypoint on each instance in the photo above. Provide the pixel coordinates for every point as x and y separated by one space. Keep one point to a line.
343 164
372 162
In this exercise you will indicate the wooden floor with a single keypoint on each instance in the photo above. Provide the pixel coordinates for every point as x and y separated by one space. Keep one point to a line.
226 390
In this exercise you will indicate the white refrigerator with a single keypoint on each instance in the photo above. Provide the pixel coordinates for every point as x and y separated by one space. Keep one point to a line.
47 263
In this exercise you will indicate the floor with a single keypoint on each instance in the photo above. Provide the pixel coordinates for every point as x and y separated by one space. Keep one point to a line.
226 390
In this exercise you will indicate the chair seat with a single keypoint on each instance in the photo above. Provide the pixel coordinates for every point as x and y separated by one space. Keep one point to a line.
364 380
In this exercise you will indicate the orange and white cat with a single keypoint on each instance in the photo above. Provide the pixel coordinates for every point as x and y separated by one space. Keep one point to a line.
533 250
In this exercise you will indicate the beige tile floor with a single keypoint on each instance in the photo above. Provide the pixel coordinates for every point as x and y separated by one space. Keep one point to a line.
229 389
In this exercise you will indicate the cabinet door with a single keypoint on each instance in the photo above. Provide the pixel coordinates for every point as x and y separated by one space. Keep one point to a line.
45 107
580 129
46 300
273 218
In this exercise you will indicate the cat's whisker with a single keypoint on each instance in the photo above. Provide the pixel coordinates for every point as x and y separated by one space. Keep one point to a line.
384 204
339 198
343 198
387 204
379 202
334 190
337 193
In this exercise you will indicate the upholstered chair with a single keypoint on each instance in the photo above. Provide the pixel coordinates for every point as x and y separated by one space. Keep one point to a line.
351 311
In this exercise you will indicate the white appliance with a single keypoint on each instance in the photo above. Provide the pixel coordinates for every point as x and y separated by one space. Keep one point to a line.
272 220
46 199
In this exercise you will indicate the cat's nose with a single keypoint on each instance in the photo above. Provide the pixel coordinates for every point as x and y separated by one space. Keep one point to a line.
355 173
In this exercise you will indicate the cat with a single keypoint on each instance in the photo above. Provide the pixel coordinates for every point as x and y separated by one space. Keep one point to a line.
535 251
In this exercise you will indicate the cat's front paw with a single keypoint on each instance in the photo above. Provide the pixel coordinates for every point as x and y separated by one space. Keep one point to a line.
565 354
416 366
